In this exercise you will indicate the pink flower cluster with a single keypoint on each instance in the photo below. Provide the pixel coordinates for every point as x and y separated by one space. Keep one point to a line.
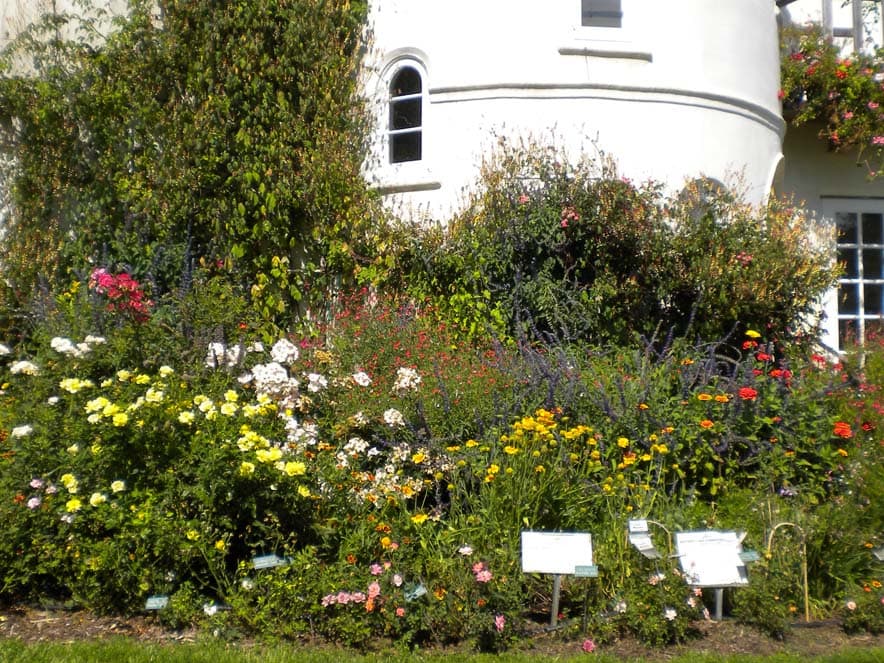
124 293
481 572
343 598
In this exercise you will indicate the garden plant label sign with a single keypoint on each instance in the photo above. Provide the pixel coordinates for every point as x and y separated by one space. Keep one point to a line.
557 553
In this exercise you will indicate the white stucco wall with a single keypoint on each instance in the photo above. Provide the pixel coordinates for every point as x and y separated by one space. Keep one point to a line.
677 92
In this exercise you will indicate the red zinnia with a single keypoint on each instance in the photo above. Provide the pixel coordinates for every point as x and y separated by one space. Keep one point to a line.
747 393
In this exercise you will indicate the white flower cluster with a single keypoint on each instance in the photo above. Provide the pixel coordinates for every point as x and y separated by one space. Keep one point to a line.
407 379
393 418
25 368
301 435
361 378
66 346
218 354
284 352
316 382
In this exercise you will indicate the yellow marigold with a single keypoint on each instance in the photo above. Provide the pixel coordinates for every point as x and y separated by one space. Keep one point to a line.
722 398
540 469
510 450
418 458
751 333
471 443
73 505
220 545
842 452
622 442
704 397
419 518
303 491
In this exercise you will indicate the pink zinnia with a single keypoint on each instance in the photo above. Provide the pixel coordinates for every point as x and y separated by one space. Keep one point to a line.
483 576
499 622
588 646
374 589
878 140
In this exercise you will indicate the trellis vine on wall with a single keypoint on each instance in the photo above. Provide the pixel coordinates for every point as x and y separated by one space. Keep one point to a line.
845 94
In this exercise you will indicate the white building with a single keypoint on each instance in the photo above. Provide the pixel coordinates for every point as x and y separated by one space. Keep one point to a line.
673 91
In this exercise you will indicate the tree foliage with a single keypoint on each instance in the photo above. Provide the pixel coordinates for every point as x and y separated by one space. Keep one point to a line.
223 134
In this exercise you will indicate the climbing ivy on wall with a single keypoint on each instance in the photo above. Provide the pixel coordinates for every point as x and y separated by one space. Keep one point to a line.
224 134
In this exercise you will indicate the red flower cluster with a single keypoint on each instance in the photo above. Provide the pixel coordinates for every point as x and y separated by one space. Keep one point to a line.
124 293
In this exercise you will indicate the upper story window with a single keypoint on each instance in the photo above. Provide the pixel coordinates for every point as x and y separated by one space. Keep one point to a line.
601 14
405 126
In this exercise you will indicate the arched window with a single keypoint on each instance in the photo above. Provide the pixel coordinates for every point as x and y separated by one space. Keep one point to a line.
405 128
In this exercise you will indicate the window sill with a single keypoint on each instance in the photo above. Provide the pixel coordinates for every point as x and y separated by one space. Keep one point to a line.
386 188
609 53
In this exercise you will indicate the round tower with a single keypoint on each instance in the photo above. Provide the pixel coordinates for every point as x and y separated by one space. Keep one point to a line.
672 91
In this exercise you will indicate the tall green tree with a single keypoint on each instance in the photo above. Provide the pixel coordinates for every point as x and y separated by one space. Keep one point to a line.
228 134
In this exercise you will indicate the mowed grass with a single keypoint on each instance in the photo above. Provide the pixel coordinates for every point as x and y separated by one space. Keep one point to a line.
128 651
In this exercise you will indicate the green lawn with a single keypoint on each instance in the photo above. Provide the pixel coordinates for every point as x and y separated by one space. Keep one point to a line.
127 651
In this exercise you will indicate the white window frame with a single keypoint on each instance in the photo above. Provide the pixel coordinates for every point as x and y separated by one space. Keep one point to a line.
404 176
858 206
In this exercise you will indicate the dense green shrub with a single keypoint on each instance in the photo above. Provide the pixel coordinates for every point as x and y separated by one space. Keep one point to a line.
195 133
553 251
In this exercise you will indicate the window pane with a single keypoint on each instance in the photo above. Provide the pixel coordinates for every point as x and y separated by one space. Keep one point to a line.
848 299
872 299
872 264
846 223
847 331
405 147
601 13
405 114
847 258
872 229
406 81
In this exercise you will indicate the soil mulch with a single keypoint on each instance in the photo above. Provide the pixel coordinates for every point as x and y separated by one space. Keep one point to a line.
33 625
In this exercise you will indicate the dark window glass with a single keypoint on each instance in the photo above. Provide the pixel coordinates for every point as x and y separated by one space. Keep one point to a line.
848 299
601 13
872 264
406 116
847 259
405 147
872 229
846 228
872 299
